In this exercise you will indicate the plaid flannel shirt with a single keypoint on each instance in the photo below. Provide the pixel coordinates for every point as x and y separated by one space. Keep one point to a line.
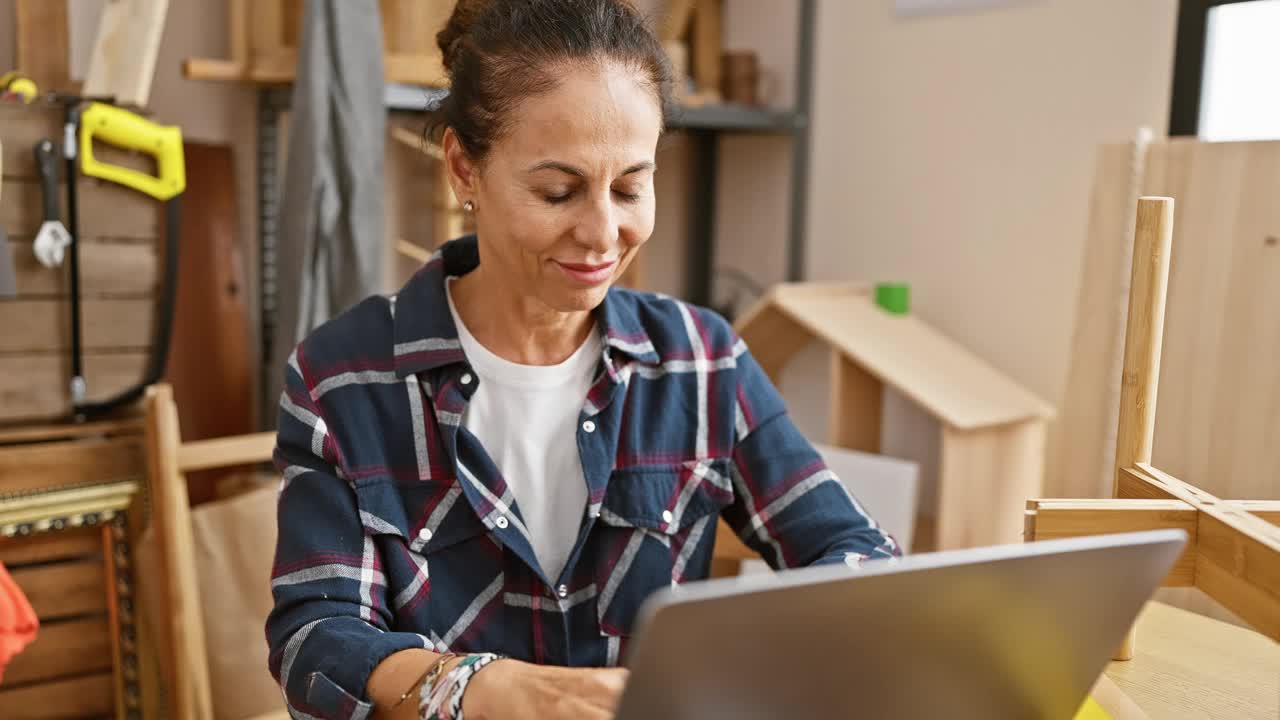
397 531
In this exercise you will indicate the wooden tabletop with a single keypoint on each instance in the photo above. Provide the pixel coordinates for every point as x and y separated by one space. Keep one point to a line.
1190 666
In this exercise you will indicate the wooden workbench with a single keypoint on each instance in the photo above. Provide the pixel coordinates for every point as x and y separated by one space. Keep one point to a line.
1190 666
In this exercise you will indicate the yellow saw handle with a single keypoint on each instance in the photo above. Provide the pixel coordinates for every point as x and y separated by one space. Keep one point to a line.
124 129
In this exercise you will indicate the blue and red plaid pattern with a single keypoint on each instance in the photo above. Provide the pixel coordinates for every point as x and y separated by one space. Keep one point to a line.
397 531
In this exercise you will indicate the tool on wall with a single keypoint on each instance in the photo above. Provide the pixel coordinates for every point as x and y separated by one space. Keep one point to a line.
8 278
16 87
123 129
52 239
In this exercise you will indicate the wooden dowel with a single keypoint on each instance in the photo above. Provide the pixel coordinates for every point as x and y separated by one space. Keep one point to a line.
1143 337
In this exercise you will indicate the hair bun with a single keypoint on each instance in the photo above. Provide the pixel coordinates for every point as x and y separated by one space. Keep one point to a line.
461 20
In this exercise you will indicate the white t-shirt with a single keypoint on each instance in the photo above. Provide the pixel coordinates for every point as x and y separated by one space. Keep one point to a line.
526 418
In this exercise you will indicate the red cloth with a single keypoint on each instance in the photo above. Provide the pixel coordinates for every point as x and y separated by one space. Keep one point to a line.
18 622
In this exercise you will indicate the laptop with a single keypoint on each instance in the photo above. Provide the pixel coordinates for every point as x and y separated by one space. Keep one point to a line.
1013 631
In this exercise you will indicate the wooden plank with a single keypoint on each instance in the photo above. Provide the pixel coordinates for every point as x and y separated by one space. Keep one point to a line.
933 371
222 452
63 648
1144 333
28 432
43 44
1051 519
107 267
985 478
214 69
1137 486
1266 510
238 32
73 544
64 589
85 696
123 59
187 668
106 210
773 337
33 326
1081 462
1245 554
49 465
267 30
36 386
707 46
675 21
857 405
1190 667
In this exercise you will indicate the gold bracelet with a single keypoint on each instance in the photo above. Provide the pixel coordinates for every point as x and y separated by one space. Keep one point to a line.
428 676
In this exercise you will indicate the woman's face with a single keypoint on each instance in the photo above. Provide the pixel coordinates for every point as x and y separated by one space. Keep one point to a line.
565 198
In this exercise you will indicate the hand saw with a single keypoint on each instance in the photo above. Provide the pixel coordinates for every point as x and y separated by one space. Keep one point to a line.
121 128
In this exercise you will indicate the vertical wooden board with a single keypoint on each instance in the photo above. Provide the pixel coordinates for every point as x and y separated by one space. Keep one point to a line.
772 336
63 589
238 31
43 44
36 386
707 45
61 649
123 60
267 27
1079 467
21 127
857 406
88 696
984 481
1219 394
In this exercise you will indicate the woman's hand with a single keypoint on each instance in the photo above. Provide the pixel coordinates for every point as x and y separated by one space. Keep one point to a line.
515 690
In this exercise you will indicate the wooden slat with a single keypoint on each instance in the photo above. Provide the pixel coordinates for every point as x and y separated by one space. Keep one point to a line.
62 649
1245 554
34 326
415 69
1267 510
773 337
675 19
1051 519
223 452
857 403
1132 485
238 31
64 589
77 543
42 40
123 60
86 696
36 386
49 465
267 28
106 210
106 268
28 432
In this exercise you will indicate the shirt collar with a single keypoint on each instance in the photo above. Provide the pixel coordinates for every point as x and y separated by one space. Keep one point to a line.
426 337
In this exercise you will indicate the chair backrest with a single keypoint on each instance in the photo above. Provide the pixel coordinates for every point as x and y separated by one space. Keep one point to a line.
168 461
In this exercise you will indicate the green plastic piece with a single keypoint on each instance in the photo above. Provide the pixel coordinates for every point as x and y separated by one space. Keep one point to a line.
894 297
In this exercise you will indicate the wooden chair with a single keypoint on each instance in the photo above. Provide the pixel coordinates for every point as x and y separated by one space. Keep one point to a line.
168 459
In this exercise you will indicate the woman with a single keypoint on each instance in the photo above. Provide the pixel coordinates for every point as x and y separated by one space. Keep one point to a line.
485 475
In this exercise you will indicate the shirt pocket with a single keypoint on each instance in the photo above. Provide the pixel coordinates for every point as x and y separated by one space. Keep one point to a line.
658 528
427 532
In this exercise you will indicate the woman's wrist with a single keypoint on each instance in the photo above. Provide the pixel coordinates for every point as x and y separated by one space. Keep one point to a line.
452 694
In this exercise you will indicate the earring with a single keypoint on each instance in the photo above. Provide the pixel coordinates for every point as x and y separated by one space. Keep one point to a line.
469 206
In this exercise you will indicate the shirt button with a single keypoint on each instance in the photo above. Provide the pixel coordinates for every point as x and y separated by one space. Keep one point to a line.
424 534
667 517
502 522
466 379
589 426
563 591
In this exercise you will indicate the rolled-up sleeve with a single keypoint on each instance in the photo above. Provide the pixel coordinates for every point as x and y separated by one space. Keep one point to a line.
329 626
788 506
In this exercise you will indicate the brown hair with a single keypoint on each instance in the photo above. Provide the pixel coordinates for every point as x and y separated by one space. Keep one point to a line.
500 52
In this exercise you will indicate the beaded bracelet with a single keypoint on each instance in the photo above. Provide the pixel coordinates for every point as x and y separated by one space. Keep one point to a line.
428 677
442 699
